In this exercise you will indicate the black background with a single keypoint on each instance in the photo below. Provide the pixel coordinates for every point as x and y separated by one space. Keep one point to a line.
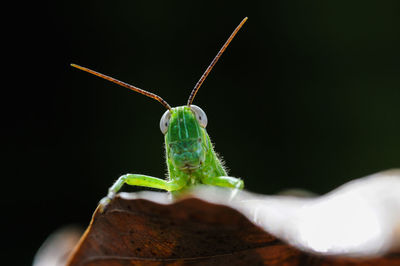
307 95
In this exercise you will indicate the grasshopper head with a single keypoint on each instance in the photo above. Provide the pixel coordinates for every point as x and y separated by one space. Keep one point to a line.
185 136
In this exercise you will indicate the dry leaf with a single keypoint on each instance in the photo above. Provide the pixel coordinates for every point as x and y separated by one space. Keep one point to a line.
210 228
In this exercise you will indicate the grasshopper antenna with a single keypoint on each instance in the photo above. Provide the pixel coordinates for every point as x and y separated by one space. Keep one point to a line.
213 62
126 85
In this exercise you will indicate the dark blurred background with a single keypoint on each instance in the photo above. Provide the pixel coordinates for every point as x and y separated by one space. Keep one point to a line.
307 96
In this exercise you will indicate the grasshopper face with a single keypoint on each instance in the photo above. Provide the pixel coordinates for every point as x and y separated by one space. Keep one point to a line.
186 138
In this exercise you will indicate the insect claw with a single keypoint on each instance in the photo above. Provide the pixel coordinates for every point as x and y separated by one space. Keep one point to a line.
239 186
233 193
104 202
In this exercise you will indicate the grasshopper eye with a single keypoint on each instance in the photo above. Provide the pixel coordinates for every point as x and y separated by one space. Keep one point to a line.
200 115
164 122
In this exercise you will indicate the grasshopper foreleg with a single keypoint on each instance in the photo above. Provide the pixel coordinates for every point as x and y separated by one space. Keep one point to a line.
139 180
224 181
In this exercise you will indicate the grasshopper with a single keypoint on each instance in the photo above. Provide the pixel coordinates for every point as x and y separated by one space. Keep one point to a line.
190 155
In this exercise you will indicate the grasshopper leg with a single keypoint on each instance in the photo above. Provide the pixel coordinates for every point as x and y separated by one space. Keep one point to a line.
224 181
139 180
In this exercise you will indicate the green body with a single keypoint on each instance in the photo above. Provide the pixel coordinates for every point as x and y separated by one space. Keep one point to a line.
190 155
191 159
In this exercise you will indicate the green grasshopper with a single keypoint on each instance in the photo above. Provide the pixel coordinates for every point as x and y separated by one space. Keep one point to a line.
191 158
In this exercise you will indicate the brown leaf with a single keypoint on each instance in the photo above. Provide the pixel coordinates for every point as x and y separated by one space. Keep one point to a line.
146 231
